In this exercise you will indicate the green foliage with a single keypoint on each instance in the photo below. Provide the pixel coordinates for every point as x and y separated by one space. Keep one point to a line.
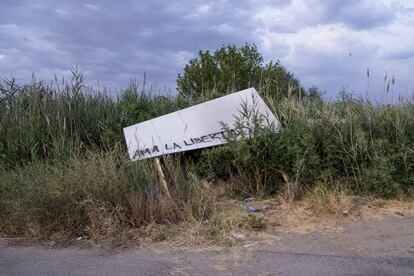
65 120
63 162
42 122
366 148
233 68
137 106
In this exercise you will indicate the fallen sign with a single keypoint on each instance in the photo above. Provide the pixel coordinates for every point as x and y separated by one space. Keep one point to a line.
195 127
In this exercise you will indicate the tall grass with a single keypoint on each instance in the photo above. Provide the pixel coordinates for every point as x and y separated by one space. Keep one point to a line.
44 121
63 165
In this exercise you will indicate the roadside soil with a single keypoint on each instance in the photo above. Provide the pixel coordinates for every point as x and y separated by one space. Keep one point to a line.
371 238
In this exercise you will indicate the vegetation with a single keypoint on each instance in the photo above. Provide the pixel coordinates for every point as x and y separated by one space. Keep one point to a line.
233 68
64 168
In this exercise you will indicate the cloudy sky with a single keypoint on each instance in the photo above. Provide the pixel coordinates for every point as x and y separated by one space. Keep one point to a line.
327 43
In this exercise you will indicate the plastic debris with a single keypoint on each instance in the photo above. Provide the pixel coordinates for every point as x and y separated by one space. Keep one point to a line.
248 198
251 208
247 207
345 213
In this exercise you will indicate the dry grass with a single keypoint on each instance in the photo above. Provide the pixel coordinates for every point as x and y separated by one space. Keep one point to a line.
112 202
110 227
321 209
324 200
103 197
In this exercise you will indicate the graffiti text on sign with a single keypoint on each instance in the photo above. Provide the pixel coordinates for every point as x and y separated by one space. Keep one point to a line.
221 135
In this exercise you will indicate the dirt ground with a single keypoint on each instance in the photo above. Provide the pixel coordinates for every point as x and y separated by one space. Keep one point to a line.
373 238
276 219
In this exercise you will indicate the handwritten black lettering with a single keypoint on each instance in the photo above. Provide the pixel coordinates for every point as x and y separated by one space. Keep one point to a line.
217 135
176 146
205 138
189 144
143 152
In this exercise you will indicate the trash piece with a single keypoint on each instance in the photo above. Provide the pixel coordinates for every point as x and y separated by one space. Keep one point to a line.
250 208
79 238
345 213
238 236
253 209
248 198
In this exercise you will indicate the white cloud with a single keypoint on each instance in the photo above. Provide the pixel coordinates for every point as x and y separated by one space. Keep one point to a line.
92 7
61 11
223 28
203 9
286 19
335 52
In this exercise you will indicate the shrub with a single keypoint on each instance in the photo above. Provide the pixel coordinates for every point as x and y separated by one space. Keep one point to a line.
230 69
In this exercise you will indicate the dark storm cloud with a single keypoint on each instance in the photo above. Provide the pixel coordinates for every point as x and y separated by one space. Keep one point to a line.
366 15
115 41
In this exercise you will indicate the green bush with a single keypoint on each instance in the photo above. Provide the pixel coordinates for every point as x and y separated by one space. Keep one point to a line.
233 68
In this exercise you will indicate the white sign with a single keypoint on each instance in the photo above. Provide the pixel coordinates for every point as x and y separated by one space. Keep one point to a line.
196 127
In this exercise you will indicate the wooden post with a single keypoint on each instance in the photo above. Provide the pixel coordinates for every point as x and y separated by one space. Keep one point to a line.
161 177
